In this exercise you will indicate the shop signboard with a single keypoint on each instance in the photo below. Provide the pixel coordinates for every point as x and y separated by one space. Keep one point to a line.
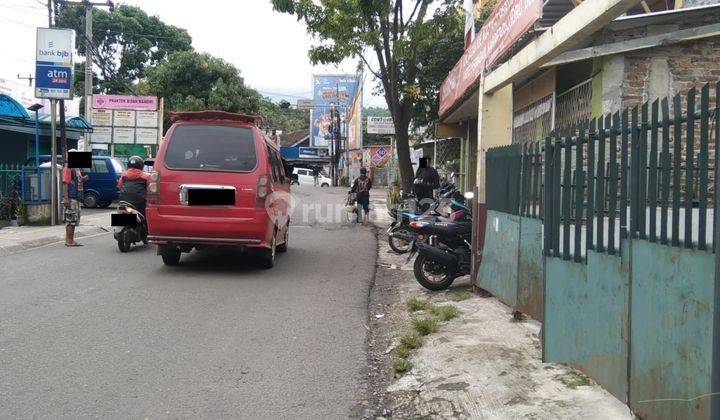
125 119
510 20
380 125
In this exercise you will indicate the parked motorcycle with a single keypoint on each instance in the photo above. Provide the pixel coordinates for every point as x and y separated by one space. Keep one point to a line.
450 206
130 226
445 256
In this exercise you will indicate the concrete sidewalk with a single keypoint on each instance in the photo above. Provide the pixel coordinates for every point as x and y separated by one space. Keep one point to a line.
18 238
481 364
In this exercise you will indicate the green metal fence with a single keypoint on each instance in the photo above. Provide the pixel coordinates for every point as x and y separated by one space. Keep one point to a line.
10 189
646 171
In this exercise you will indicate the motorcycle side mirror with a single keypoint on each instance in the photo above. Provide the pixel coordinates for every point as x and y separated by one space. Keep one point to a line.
469 195
149 162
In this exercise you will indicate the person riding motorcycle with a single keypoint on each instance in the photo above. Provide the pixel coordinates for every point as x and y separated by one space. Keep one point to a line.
133 184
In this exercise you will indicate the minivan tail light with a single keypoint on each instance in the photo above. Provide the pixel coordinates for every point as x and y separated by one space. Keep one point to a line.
153 191
263 185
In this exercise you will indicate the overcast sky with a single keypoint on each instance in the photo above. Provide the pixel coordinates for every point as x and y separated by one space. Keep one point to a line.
269 48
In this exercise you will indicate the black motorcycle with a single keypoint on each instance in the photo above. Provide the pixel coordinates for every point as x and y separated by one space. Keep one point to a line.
445 256
130 226
449 206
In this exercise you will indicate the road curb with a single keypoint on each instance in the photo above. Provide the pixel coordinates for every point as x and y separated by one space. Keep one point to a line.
51 239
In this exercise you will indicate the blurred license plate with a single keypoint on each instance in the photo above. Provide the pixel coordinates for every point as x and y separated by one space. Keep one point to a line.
210 197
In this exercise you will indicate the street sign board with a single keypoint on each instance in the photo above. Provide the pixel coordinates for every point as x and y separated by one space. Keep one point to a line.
147 119
101 135
54 63
146 135
305 103
123 135
380 125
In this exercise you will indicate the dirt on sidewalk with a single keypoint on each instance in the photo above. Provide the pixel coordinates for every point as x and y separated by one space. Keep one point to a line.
481 364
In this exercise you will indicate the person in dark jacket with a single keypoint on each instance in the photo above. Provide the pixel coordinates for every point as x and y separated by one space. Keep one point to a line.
133 184
426 180
361 188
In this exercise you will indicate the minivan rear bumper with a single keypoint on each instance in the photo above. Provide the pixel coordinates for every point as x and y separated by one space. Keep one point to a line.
255 231
197 240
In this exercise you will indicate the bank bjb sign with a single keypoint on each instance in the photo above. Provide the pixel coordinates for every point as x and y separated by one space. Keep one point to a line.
54 63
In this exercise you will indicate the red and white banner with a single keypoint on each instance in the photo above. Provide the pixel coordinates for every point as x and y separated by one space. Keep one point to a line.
510 20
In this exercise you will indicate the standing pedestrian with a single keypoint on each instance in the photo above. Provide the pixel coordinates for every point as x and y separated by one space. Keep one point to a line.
361 188
426 180
316 173
73 180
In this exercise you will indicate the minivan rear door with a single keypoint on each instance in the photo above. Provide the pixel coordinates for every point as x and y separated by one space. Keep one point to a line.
209 170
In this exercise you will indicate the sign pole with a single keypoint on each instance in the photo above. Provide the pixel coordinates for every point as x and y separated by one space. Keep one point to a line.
53 164
85 144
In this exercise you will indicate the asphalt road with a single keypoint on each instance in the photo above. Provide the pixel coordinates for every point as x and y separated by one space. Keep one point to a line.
90 332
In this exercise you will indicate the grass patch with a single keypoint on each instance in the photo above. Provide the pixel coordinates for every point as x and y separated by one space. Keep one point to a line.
424 326
573 379
461 295
445 313
401 365
401 352
411 341
417 304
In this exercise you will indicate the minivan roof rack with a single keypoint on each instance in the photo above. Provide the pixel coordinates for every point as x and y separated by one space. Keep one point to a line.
214 115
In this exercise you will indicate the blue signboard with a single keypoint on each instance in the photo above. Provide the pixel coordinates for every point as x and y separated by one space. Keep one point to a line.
54 63
330 91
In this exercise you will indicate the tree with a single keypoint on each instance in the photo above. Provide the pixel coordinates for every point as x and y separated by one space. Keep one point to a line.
283 118
192 81
395 32
127 42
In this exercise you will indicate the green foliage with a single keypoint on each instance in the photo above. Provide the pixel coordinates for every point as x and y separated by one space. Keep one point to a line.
444 313
401 365
401 352
192 81
425 325
396 36
128 42
411 341
417 304
285 119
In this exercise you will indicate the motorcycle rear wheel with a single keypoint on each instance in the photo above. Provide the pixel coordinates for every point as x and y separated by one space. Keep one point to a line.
431 275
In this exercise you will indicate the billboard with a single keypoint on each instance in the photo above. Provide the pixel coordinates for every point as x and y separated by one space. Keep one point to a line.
377 156
354 125
329 91
54 63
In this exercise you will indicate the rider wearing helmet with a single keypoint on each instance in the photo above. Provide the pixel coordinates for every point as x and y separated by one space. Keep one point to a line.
133 184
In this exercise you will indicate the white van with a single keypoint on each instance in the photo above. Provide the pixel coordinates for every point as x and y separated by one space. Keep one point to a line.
305 177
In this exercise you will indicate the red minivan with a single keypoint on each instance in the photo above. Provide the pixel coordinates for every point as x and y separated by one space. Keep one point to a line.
218 181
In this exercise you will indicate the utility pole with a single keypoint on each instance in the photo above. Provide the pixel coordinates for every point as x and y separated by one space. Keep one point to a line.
88 54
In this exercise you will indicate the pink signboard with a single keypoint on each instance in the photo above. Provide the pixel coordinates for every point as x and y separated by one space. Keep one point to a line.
510 20
144 103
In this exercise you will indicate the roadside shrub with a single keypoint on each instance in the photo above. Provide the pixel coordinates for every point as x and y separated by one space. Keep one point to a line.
417 304
401 365
445 313
425 325
411 341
